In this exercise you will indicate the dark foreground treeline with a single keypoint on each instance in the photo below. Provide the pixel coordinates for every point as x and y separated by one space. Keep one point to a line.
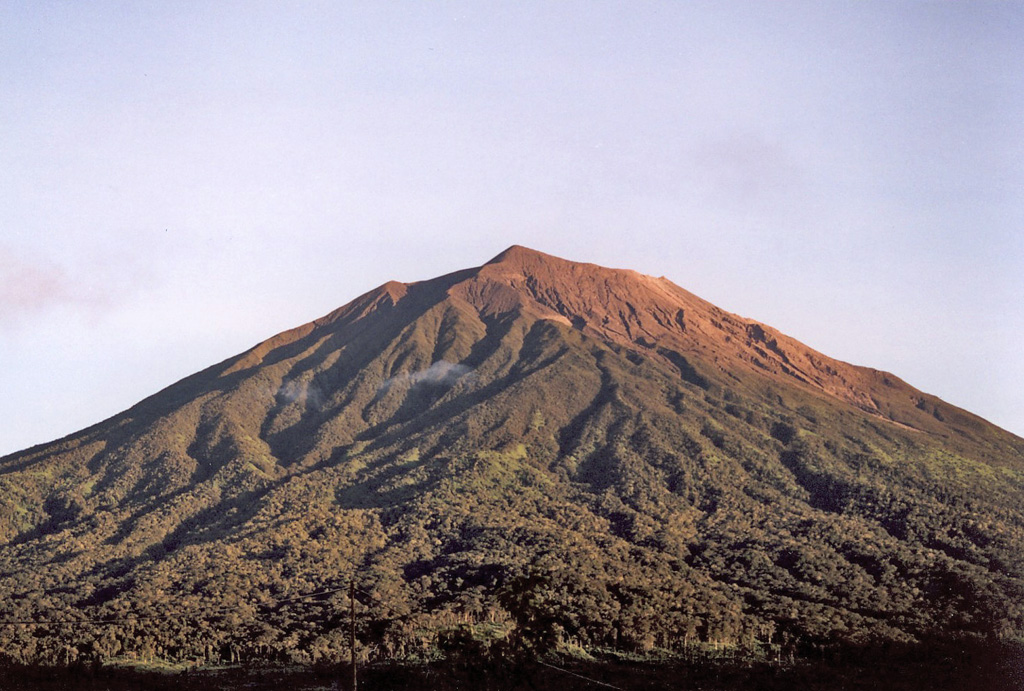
995 666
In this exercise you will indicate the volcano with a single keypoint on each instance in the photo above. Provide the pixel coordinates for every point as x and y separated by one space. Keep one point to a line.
534 450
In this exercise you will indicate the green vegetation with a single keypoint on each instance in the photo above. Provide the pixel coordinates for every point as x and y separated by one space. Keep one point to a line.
549 492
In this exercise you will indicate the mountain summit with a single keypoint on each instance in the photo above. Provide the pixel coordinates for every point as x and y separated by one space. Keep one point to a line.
564 453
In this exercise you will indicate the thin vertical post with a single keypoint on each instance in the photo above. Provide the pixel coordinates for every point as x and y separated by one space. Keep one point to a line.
352 629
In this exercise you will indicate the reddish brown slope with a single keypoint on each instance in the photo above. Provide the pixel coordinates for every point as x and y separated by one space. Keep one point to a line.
662 320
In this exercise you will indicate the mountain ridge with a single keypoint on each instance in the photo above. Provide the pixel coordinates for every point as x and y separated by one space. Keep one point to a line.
518 267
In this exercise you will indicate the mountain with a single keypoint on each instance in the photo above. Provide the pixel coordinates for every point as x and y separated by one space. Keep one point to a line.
533 452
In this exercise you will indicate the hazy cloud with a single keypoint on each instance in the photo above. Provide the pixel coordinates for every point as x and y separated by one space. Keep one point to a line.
97 278
744 168
28 287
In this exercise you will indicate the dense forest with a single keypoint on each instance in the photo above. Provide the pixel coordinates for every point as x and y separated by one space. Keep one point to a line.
504 466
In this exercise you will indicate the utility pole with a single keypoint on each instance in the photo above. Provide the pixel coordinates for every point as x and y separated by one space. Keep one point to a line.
352 629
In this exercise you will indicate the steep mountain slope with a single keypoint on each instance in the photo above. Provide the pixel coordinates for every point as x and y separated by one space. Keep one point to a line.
564 453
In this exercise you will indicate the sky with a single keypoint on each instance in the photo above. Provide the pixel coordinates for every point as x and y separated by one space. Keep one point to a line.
179 181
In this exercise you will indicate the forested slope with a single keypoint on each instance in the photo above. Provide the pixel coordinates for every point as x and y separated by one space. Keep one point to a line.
533 453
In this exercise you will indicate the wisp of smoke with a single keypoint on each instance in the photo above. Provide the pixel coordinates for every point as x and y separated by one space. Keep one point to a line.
305 392
441 373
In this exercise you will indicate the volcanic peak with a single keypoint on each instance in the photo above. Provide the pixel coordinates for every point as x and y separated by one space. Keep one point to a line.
650 318
531 430
660 320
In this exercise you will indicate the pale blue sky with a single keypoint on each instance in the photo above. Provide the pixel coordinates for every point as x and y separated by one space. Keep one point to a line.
181 180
